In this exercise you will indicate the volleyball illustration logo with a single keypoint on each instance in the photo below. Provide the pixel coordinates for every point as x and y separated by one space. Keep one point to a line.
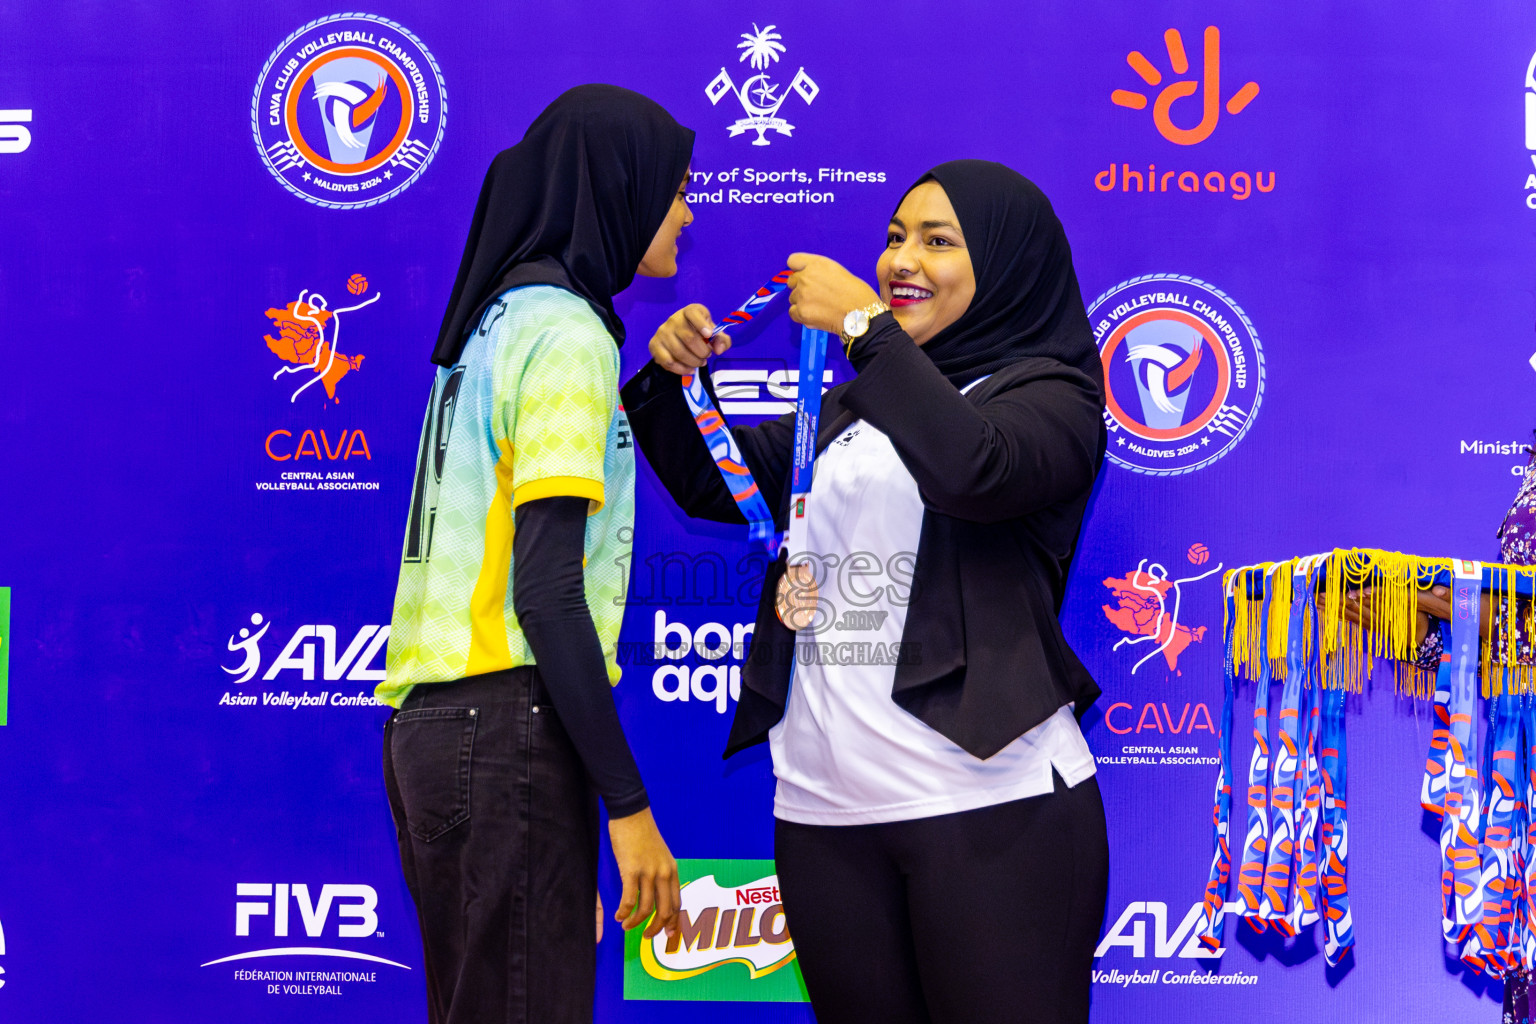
349 111
309 337
1183 372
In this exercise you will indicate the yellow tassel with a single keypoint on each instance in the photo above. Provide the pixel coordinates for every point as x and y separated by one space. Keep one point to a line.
1279 632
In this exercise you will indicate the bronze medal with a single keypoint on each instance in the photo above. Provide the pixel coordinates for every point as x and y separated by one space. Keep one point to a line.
795 599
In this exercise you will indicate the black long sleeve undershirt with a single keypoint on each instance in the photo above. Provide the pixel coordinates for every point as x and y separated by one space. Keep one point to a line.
550 600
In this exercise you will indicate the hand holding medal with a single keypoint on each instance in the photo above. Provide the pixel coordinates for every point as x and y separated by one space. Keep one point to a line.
821 293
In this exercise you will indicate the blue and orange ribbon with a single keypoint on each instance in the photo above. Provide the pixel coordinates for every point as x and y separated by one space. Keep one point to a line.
722 445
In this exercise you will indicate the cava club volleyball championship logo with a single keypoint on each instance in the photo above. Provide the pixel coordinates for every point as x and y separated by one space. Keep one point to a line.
1183 372
349 111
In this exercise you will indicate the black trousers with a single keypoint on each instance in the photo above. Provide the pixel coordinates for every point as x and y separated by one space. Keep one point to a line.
498 840
987 915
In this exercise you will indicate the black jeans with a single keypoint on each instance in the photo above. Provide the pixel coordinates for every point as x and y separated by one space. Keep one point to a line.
988 915
498 839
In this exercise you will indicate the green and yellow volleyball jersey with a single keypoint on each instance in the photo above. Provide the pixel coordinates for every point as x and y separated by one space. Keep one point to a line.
530 411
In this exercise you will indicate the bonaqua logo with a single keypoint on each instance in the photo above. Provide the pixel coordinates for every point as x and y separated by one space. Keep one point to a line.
1206 82
760 97
349 111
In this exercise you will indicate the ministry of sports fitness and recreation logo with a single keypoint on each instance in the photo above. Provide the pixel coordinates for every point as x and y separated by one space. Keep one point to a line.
732 942
349 110
760 97
1183 372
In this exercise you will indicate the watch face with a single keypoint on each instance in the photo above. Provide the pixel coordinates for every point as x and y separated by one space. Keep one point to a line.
856 323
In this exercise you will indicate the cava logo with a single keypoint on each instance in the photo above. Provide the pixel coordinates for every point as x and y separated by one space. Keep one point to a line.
732 943
284 910
1207 84
15 136
1147 607
349 111
302 343
760 97
1183 372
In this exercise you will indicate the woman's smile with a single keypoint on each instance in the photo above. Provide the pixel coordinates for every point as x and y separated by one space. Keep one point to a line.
908 295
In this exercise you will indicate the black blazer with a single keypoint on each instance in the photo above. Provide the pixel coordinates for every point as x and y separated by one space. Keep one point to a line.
1005 473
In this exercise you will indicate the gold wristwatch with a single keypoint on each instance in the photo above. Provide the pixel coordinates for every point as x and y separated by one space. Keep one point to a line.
856 322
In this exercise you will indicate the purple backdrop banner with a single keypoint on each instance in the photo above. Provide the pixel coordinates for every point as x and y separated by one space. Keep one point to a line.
227 234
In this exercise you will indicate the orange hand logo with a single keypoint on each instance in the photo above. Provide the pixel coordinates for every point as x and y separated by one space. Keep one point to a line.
1209 87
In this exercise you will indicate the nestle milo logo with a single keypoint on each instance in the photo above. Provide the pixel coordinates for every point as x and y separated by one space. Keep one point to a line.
732 944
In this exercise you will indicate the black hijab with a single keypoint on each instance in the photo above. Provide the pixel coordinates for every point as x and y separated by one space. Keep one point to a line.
575 205
1027 301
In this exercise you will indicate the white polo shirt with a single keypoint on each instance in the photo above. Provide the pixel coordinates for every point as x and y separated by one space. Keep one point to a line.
845 753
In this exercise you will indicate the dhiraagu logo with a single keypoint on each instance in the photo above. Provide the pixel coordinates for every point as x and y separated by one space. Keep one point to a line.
733 943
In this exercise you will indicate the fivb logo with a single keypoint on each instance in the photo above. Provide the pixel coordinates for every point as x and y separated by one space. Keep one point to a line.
760 97
274 900
1130 932
298 654
260 906
1208 85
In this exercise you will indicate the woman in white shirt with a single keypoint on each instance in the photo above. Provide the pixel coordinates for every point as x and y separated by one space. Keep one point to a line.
940 840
